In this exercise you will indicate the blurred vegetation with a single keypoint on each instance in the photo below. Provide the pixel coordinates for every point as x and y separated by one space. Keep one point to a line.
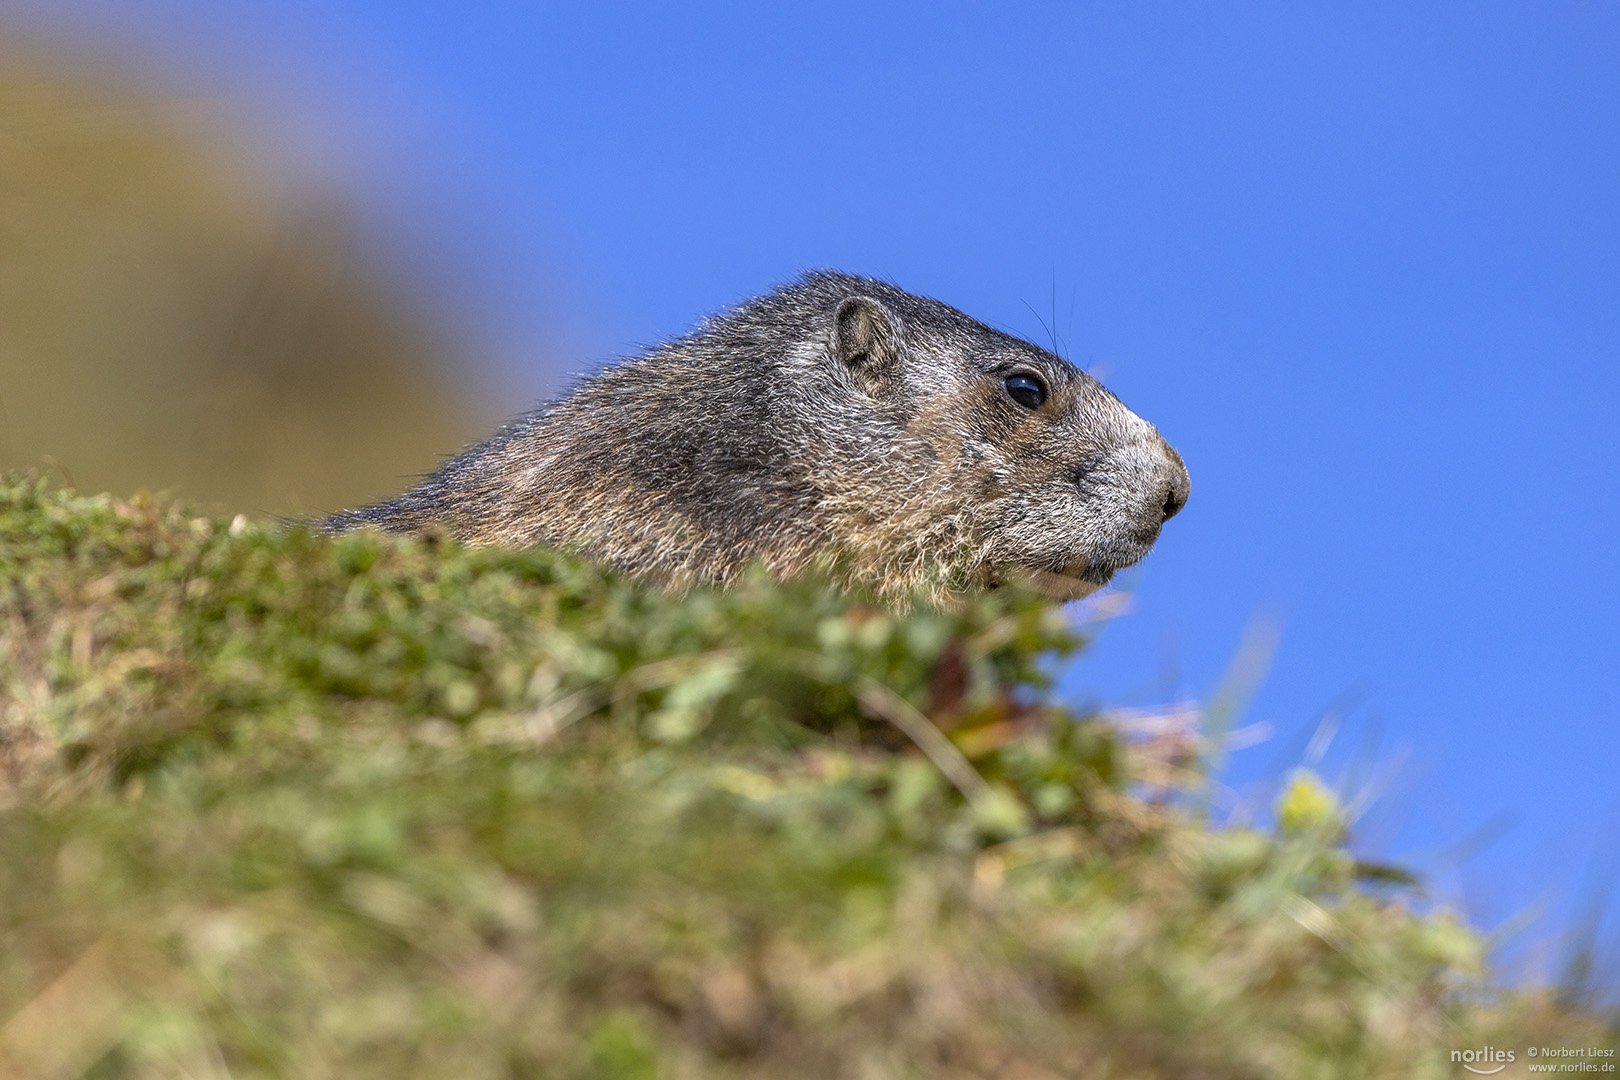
282 805
169 318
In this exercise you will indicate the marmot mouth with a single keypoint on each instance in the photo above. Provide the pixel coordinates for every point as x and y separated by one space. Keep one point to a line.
1076 581
1098 574
1093 571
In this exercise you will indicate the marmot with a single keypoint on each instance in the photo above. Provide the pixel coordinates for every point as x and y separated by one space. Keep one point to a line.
835 423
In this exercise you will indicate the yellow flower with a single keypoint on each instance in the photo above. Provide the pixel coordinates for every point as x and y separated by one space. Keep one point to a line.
1306 804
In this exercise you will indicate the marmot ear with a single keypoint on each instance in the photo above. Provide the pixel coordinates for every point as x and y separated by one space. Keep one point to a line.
864 341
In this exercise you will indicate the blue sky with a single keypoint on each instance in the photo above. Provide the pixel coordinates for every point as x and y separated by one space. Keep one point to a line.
1360 263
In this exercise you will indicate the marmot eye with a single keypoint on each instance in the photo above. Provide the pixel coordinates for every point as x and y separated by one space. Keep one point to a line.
1026 390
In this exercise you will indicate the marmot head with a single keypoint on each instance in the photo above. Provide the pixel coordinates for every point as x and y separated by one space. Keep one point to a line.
1041 475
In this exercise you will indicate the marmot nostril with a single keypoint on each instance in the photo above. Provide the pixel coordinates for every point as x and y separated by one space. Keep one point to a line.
1175 494
1176 497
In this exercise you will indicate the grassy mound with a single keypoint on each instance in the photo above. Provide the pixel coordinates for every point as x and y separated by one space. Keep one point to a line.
276 805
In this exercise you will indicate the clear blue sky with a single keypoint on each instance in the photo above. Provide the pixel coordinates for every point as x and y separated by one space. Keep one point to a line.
1360 263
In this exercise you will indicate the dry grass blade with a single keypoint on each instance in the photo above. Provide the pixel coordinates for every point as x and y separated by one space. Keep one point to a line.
956 768
71 1023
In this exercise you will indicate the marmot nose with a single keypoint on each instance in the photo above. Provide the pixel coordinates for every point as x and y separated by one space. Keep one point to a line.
1180 484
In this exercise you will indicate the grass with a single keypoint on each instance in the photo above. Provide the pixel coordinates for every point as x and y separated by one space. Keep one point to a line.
281 805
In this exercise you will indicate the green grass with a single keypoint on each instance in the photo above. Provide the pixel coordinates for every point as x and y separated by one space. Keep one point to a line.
279 805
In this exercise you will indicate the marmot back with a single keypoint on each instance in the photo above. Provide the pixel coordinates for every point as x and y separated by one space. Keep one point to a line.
836 423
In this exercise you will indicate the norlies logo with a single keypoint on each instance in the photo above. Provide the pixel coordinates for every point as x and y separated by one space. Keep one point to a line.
1483 1058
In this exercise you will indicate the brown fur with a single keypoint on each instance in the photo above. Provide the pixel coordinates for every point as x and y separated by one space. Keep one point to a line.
836 423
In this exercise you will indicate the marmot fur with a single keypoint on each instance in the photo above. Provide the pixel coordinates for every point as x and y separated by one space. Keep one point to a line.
836 423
